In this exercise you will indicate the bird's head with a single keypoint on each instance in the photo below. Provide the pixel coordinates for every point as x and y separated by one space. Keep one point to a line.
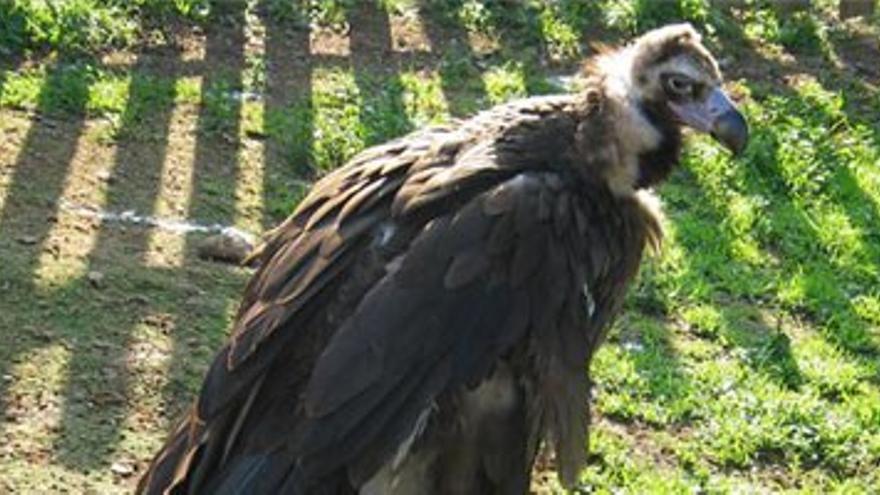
671 68
663 81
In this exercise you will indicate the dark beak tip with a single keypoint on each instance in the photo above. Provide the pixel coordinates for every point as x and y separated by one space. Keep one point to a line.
732 130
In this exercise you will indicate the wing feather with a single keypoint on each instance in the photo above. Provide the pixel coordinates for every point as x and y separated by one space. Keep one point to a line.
435 310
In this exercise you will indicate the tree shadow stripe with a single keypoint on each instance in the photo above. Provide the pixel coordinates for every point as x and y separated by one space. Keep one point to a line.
216 162
214 178
41 169
377 76
462 85
89 435
288 116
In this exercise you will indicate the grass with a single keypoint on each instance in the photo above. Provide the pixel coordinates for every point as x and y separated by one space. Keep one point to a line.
748 358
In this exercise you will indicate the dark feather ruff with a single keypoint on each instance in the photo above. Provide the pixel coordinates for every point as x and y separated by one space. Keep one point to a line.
656 165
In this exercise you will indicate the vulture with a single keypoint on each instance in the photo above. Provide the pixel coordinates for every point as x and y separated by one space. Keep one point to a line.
424 321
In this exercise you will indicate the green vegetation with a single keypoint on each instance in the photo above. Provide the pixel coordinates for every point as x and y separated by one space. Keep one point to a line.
748 359
87 25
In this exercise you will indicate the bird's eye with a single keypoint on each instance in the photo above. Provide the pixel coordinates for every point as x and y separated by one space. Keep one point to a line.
679 85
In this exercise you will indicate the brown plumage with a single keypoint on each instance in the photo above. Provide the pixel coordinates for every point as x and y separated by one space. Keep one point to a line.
422 322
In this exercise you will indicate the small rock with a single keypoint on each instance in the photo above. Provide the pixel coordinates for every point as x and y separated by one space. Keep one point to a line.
105 176
255 134
41 333
96 278
123 469
139 299
28 240
227 247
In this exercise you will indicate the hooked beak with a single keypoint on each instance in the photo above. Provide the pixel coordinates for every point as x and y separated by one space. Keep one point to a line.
718 116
